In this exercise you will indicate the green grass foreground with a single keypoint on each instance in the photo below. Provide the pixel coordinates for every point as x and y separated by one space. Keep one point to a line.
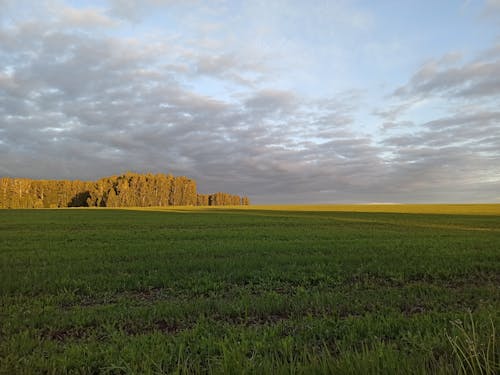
248 291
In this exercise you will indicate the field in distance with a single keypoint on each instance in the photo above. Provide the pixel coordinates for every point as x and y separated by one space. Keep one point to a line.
272 289
454 209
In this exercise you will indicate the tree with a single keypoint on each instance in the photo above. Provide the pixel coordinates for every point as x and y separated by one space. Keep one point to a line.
126 190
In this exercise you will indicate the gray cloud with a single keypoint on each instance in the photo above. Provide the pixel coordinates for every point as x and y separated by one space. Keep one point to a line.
392 113
83 18
134 10
461 150
84 107
77 105
225 66
491 10
473 79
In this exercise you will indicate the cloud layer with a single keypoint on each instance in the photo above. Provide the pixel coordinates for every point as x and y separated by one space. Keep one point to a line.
83 97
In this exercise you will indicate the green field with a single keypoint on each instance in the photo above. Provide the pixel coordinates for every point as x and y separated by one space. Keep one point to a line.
248 291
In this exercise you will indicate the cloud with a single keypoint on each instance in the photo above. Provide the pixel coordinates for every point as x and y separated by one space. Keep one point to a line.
491 9
392 113
75 103
225 66
457 148
134 10
457 151
271 101
473 79
82 106
86 18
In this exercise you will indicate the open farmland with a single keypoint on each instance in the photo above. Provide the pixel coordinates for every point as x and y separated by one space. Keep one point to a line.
264 290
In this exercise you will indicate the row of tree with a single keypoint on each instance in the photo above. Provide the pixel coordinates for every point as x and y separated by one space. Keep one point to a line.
127 190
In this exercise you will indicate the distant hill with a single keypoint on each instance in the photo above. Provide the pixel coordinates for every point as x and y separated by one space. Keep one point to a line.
126 190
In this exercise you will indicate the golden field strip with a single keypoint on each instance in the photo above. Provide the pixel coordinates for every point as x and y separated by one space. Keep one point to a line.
447 209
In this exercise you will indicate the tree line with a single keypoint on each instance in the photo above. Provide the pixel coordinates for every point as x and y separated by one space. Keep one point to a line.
126 190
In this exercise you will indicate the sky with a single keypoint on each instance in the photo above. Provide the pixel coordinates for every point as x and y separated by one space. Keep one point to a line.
284 101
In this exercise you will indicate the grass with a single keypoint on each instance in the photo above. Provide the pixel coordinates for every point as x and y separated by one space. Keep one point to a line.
476 353
248 291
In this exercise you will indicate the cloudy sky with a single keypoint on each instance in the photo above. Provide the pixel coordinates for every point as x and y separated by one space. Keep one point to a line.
285 101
